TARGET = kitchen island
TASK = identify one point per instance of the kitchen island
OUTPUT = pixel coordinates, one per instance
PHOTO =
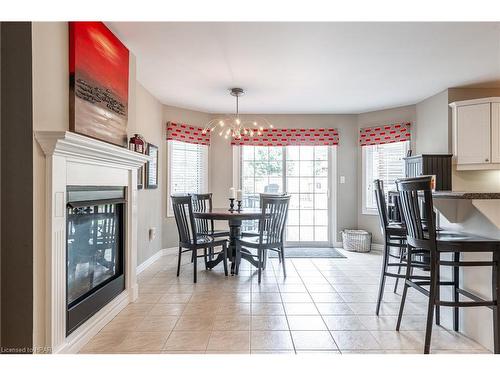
(476, 213)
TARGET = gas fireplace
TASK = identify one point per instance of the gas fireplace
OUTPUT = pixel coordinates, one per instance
(94, 250)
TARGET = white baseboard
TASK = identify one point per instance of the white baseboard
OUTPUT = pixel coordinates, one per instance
(141, 267)
(148, 262)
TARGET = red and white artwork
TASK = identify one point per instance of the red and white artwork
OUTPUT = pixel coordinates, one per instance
(99, 73)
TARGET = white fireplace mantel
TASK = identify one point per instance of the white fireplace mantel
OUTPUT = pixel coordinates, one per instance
(74, 159)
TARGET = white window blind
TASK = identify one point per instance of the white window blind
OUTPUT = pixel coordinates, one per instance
(188, 169)
(384, 162)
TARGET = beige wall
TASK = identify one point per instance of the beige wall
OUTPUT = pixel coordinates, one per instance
(175, 114)
(370, 222)
(432, 134)
(149, 123)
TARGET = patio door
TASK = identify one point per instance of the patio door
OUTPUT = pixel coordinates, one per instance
(304, 172)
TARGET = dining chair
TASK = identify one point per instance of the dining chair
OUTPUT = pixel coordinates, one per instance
(203, 203)
(189, 239)
(422, 237)
(271, 233)
(394, 237)
(256, 233)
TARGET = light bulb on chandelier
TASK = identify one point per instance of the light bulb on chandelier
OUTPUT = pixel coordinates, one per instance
(235, 126)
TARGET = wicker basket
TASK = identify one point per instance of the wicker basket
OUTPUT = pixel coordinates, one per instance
(356, 240)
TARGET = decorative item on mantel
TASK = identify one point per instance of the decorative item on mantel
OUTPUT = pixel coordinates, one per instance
(137, 144)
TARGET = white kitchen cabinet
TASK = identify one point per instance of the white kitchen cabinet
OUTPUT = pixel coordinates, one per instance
(476, 134)
(495, 132)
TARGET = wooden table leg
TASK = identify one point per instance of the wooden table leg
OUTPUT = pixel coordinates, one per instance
(234, 234)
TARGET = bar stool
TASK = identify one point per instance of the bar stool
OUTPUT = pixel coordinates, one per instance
(394, 237)
(425, 238)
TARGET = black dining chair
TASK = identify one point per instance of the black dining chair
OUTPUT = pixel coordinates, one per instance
(422, 237)
(189, 239)
(394, 237)
(271, 233)
(203, 203)
(256, 233)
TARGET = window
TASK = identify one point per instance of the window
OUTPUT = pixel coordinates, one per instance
(188, 169)
(384, 162)
(261, 172)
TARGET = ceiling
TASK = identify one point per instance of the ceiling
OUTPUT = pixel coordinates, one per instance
(309, 67)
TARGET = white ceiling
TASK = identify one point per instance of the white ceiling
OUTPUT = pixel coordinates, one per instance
(309, 67)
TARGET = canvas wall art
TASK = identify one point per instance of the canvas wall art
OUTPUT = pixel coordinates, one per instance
(99, 73)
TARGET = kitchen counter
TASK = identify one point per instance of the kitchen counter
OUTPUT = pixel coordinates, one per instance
(446, 194)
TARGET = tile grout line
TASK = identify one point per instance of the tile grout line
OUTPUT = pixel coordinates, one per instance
(284, 310)
(314, 302)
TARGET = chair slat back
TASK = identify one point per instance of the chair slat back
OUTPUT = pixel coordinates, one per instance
(381, 204)
(203, 203)
(273, 220)
(184, 218)
(269, 195)
(413, 192)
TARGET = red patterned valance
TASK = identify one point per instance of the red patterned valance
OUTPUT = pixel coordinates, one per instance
(378, 135)
(187, 133)
(290, 137)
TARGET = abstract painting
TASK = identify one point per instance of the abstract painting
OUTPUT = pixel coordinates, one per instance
(99, 70)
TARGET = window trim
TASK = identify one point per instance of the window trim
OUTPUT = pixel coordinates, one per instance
(364, 209)
(169, 212)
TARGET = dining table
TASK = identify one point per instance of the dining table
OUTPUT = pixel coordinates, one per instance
(234, 218)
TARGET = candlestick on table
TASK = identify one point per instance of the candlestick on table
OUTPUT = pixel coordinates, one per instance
(231, 204)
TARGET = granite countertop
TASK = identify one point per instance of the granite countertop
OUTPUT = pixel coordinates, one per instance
(446, 194)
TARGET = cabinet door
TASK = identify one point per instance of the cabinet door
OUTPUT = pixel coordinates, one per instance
(495, 132)
(473, 134)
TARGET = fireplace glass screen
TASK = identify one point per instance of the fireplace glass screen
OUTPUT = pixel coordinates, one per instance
(94, 247)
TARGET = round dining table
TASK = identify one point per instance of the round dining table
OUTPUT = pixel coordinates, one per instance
(234, 219)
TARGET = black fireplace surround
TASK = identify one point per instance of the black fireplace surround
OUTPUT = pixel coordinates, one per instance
(95, 240)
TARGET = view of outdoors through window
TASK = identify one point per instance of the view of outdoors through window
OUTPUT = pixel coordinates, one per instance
(302, 172)
(384, 162)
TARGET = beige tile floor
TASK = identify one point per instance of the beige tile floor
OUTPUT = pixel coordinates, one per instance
(323, 306)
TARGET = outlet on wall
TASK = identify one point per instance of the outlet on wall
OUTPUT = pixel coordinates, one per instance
(342, 179)
(152, 233)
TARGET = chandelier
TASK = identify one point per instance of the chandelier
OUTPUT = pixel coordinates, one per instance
(234, 126)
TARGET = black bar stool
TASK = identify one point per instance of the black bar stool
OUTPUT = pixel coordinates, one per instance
(394, 237)
(423, 237)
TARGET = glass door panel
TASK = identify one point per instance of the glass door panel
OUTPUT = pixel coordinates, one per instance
(306, 179)
(302, 172)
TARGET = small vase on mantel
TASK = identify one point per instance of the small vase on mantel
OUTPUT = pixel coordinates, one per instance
(137, 144)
